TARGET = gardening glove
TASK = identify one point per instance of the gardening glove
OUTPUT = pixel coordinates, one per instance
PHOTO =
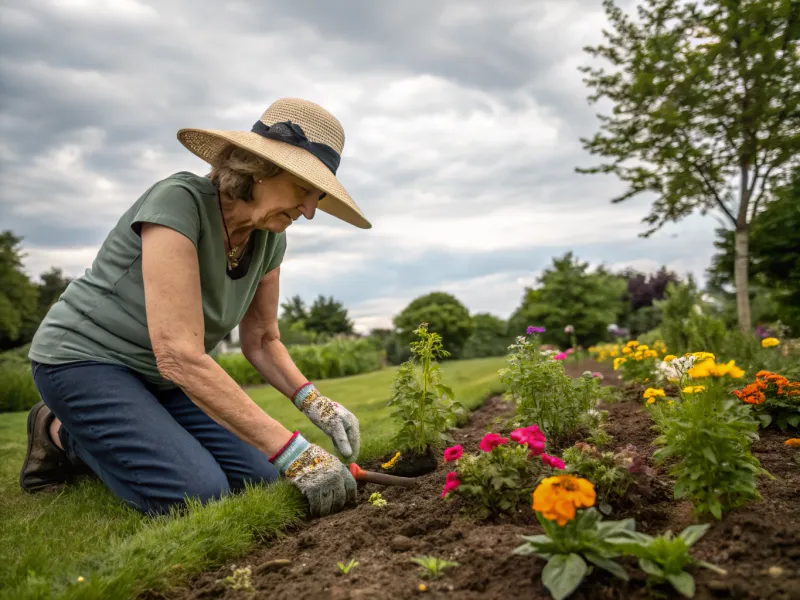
(325, 482)
(335, 420)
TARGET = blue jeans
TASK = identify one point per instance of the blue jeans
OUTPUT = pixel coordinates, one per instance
(153, 448)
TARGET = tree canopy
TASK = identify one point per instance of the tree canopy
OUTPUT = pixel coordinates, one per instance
(444, 314)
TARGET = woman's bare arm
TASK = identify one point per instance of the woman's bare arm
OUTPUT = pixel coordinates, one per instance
(261, 339)
(175, 323)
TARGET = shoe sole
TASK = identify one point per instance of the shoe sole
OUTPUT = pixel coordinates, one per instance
(31, 423)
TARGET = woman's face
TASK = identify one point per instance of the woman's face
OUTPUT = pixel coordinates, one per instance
(279, 201)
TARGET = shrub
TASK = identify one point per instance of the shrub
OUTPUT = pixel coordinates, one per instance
(444, 314)
(637, 363)
(490, 337)
(502, 476)
(544, 394)
(424, 406)
(17, 389)
(708, 435)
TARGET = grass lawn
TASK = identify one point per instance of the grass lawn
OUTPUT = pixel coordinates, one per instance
(48, 541)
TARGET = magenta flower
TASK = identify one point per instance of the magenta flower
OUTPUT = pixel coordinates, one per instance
(598, 375)
(451, 483)
(532, 329)
(552, 461)
(532, 436)
(560, 356)
(491, 441)
(453, 453)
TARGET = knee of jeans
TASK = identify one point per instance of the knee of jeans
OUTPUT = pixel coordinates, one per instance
(210, 486)
(258, 471)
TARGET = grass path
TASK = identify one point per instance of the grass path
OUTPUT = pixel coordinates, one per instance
(47, 541)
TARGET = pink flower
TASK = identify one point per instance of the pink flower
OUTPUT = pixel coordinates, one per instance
(569, 351)
(491, 441)
(453, 453)
(526, 435)
(569, 329)
(552, 461)
(560, 356)
(451, 483)
(597, 375)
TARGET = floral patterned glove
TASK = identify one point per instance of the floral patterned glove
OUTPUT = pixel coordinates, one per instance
(325, 482)
(335, 420)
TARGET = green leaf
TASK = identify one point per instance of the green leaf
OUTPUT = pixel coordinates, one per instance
(563, 574)
(684, 583)
(651, 568)
(691, 534)
(605, 508)
(765, 419)
(709, 454)
(445, 390)
(716, 509)
(607, 564)
(794, 420)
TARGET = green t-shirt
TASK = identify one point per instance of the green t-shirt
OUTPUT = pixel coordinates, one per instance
(101, 315)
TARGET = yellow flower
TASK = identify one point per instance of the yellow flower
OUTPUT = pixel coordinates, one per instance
(670, 401)
(669, 358)
(632, 344)
(626, 350)
(651, 400)
(558, 497)
(642, 347)
(701, 356)
(618, 362)
(81, 579)
(391, 462)
(769, 342)
(693, 389)
(792, 443)
(422, 587)
(652, 393)
(651, 354)
(709, 368)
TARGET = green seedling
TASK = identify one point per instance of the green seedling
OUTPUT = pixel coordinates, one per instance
(377, 500)
(433, 567)
(345, 568)
(241, 579)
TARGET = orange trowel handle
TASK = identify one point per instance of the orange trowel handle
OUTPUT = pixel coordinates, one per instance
(380, 478)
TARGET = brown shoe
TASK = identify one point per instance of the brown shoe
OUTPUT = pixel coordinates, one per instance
(46, 466)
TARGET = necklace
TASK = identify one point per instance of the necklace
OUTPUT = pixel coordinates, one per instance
(233, 262)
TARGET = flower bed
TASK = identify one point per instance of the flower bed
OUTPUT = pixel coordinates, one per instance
(755, 544)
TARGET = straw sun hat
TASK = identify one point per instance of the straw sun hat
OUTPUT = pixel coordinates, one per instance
(298, 136)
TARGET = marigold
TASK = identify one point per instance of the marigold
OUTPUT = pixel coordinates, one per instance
(708, 368)
(632, 344)
(652, 393)
(701, 356)
(770, 342)
(558, 497)
(618, 362)
(651, 354)
(792, 443)
(669, 358)
(626, 350)
(693, 389)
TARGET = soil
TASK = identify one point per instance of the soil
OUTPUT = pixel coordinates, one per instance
(759, 545)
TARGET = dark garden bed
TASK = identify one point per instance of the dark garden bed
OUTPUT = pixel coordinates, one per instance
(759, 545)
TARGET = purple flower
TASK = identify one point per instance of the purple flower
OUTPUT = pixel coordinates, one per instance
(531, 330)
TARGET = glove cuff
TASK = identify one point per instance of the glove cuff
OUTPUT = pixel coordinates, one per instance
(296, 445)
(305, 395)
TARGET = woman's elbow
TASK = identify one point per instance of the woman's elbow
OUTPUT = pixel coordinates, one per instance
(175, 362)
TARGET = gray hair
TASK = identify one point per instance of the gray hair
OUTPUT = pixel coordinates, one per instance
(236, 169)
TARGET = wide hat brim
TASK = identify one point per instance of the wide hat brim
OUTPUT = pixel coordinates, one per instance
(208, 144)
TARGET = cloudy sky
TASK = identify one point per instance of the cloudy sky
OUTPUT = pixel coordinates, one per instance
(462, 119)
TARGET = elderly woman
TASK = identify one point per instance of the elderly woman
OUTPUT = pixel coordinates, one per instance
(121, 360)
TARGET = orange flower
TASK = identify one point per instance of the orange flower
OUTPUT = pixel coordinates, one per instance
(558, 497)
(752, 393)
(792, 443)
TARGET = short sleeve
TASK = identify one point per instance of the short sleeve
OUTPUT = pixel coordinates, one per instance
(277, 253)
(171, 204)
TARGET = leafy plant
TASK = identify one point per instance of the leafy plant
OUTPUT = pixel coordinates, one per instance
(665, 558)
(614, 474)
(432, 566)
(774, 399)
(544, 394)
(345, 568)
(638, 362)
(567, 549)
(377, 500)
(708, 435)
(424, 406)
(240, 579)
(502, 476)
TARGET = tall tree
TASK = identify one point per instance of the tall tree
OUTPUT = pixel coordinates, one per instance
(445, 315)
(19, 297)
(706, 109)
(328, 316)
(294, 311)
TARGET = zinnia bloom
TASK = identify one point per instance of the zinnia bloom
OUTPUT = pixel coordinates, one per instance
(558, 497)
(532, 329)
(560, 356)
(652, 393)
(453, 453)
(553, 461)
(451, 483)
(769, 342)
(491, 441)
(532, 436)
(792, 443)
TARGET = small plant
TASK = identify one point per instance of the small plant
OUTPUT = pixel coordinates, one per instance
(346, 568)
(708, 434)
(774, 399)
(424, 406)
(502, 476)
(665, 558)
(637, 363)
(573, 533)
(377, 500)
(615, 475)
(433, 567)
(241, 579)
(544, 394)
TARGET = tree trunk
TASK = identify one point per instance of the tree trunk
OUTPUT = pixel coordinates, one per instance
(741, 244)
